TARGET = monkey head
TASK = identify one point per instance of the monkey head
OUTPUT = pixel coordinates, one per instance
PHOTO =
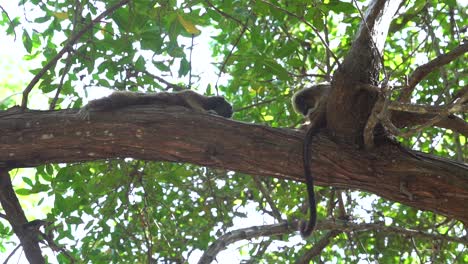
(309, 100)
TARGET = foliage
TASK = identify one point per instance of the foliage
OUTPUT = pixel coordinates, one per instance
(118, 211)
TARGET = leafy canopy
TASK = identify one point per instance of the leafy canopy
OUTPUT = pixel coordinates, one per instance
(261, 52)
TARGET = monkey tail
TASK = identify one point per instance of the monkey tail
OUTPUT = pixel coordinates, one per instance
(306, 228)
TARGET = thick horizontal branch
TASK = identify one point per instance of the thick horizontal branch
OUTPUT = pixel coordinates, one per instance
(176, 134)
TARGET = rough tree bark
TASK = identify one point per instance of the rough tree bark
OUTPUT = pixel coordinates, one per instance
(349, 106)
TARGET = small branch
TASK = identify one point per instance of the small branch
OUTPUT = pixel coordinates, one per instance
(392, 230)
(3, 216)
(224, 14)
(445, 111)
(175, 87)
(423, 70)
(11, 254)
(243, 234)
(318, 247)
(266, 195)
(234, 45)
(190, 63)
(62, 79)
(255, 105)
(441, 116)
(67, 47)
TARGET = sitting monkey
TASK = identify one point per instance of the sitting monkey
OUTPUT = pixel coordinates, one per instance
(186, 98)
(311, 102)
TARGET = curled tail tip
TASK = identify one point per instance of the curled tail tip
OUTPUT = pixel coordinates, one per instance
(306, 228)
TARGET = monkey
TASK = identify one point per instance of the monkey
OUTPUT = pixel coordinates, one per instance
(311, 103)
(186, 98)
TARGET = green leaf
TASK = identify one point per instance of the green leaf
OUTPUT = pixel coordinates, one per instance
(27, 42)
(276, 69)
(184, 67)
(22, 191)
(28, 181)
(340, 7)
(140, 64)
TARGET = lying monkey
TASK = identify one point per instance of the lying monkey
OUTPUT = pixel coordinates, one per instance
(186, 98)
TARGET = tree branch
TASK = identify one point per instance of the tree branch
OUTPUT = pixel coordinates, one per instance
(424, 109)
(68, 46)
(404, 119)
(335, 226)
(318, 247)
(423, 70)
(242, 234)
(176, 134)
(17, 219)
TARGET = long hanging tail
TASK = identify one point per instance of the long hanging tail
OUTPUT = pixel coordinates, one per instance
(306, 228)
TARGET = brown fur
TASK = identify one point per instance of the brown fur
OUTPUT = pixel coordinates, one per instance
(311, 102)
(185, 98)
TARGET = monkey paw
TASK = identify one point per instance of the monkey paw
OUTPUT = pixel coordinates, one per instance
(212, 112)
(84, 114)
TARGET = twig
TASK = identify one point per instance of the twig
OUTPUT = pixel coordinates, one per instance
(318, 247)
(60, 86)
(302, 19)
(410, 55)
(244, 28)
(266, 195)
(224, 14)
(67, 46)
(242, 234)
(255, 105)
(11, 254)
(372, 122)
(175, 87)
(190, 63)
